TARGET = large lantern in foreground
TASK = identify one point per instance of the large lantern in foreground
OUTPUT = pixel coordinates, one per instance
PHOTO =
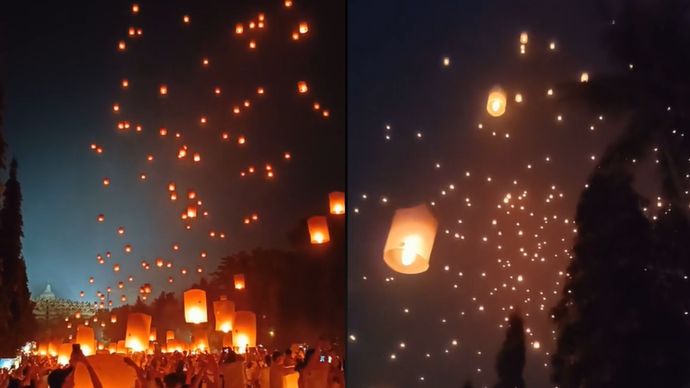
(64, 353)
(410, 240)
(496, 103)
(244, 332)
(86, 340)
(318, 230)
(224, 311)
(195, 306)
(138, 330)
(336, 202)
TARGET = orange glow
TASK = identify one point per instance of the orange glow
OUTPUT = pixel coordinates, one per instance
(121, 45)
(163, 90)
(336, 200)
(318, 230)
(239, 29)
(185, 19)
(125, 83)
(302, 87)
(239, 281)
(303, 28)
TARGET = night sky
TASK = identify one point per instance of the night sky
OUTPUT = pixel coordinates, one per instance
(503, 189)
(62, 76)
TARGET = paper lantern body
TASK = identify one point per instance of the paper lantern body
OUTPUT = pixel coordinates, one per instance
(244, 332)
(85, 339)
(290, 380)
(169, 335)
(336, 201)
(195, 306)
(112, 347)
(111, 370)
(64, 353)
(227, 340)
(138, 330)
(121, 348)
(410, 240)
(153, 335)
(42, 348)
(224, 311)
(239, 281)
(496, 103)
(318, 230)
(200, 340)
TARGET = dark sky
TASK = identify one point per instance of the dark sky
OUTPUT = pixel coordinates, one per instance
(504, 194)
(62, 73)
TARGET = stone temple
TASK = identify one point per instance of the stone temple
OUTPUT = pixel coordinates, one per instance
(48, 307)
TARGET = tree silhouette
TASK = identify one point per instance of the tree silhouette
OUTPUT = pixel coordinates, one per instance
(510, 361)
(20, 319)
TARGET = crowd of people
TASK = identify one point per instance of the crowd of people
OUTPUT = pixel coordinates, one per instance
(318, 367)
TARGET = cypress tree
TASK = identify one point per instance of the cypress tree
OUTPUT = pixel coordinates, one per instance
(510, 361)
(21, 321)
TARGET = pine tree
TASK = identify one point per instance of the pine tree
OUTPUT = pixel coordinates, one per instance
(510, 361)
(21, 321)
(4, 295)
(614, 327)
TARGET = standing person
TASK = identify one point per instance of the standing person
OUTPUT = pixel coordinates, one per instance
(265, 372)
(277, 370)
(64, 378)
(232, 370)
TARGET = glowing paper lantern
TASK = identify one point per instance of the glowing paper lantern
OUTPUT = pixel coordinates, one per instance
(191, 211)
(195, 306)
(121, 348)
(227, 340)
(224, 311)
(290, 380)
(496, 103)
(111, 370)
(239, 281)
(152, 335)
(524, 38)
(138, 329)
(244, 332)
(200, 340)
(584, 77)
(318, 230)
(169, 335)
(85, 338)
(410, 240)
(64, 353)
(336, 200)
(302, 87)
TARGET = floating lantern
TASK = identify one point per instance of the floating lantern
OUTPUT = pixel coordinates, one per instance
(191, 211)
(200, 339)
(138, 330)
(185, 19)
(152, 335)
(518, 98)
(169, 335)
(100, 218)
(85, 338)
(496, 103)
(410, 240)
(244, 332)
(113, 318)
(64, 353)
(239, 281)
(112, 348)
(302, 87)
(227, 340)
(524, 38)
(303, 28)
(239, 29)
(224, 311)
(337, 202)
(584, 77)
(291, 380)
(318, 230)
(195, 306)
(121, 348)
(163, 90)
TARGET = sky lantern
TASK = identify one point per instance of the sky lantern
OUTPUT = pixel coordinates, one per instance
(244, 332)
(336, 200)
(85, 338)
(169, 335)
(121, 45)
(195, 306)
(318, 230)
(191, 211)
(135, 8)
(100, 218)
(153, 335)
(185, 19)
(64, 353)
(496, 103)
(113, 318)
(163, 90)
(410, 240)
(138, 329)
(239, 281)
(200, 339)
(303, 28)
(302, 87)
(239, 29)
(224, 312)
(124, 83)
(524, 38)
(121, 348)
(584, 77)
